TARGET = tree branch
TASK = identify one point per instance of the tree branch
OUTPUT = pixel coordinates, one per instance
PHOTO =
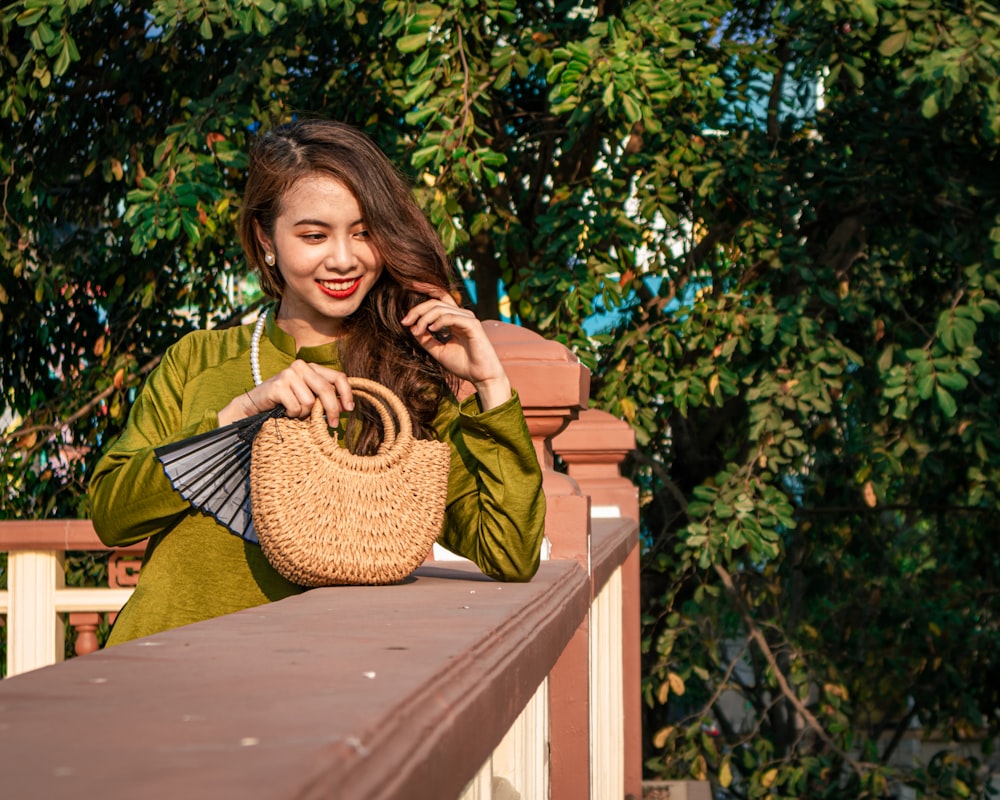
(897, 734)
(758, 637)
(54, 428)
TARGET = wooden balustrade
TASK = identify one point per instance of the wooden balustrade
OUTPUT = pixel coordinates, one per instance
(435, 688)
(560, 703)
(37, 601)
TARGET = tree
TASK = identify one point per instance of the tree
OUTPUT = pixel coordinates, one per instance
(802, 294)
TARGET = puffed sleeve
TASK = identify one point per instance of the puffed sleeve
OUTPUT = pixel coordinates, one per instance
(131, 496)
(496, 509)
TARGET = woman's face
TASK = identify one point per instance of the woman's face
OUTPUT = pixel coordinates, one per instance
(325, 256)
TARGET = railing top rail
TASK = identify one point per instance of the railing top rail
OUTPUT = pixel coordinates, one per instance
(360, 692)
(53, 534)
(611, 541)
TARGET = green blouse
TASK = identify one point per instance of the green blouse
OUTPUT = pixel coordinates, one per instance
(195, 569)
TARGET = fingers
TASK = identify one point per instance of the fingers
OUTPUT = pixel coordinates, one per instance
(435, 318)
(441, 324)
(333, 391)
(299, 386)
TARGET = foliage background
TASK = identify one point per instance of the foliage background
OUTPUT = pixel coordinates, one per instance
(792, 299)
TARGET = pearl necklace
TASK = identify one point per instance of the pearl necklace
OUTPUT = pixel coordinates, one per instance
(255, 348)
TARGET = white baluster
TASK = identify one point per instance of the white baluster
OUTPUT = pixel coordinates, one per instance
(35, 632)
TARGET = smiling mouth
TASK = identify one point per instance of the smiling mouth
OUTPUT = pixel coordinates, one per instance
(340, 289)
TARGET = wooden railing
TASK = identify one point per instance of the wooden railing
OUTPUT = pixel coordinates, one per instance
(448, 685)
(441, 687)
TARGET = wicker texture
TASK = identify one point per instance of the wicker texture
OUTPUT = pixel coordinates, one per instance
(325, 516)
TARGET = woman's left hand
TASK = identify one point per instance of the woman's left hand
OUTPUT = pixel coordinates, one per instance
(456, 338)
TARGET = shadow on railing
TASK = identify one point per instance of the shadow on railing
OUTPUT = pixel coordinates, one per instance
(447, 685)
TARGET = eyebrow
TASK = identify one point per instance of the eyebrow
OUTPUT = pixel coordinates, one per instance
(323, 224)
(318, 222)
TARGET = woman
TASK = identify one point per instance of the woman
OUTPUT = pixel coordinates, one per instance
(363, 288)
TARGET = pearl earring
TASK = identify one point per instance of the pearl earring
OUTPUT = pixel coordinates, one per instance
(269, 259)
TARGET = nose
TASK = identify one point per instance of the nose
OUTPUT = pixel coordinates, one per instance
(340, 256)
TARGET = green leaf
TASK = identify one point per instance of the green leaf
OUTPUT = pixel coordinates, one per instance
(425, 155)
(632, 110)
(419, 91)
(63, 61)
(893, 43)
(420, 115)
(945, 401)
(855, 74)
(411, 43)
(953, 380)
(929, 106)
(869, 12)
(965, 332)
(885, 360)
(926, 385)
(30, 16)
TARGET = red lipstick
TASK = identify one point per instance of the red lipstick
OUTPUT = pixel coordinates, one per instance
(340, 294)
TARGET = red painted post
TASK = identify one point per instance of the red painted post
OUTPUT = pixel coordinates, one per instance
(593, 447)
(554, 386)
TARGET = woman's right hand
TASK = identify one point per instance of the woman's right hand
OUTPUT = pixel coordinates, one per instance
(296, 388)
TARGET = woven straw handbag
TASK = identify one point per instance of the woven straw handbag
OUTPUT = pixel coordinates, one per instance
(325, 516)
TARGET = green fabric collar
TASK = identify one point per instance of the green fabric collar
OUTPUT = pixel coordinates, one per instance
(327, 353)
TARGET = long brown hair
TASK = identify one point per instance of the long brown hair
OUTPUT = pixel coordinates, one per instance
(374, 344)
